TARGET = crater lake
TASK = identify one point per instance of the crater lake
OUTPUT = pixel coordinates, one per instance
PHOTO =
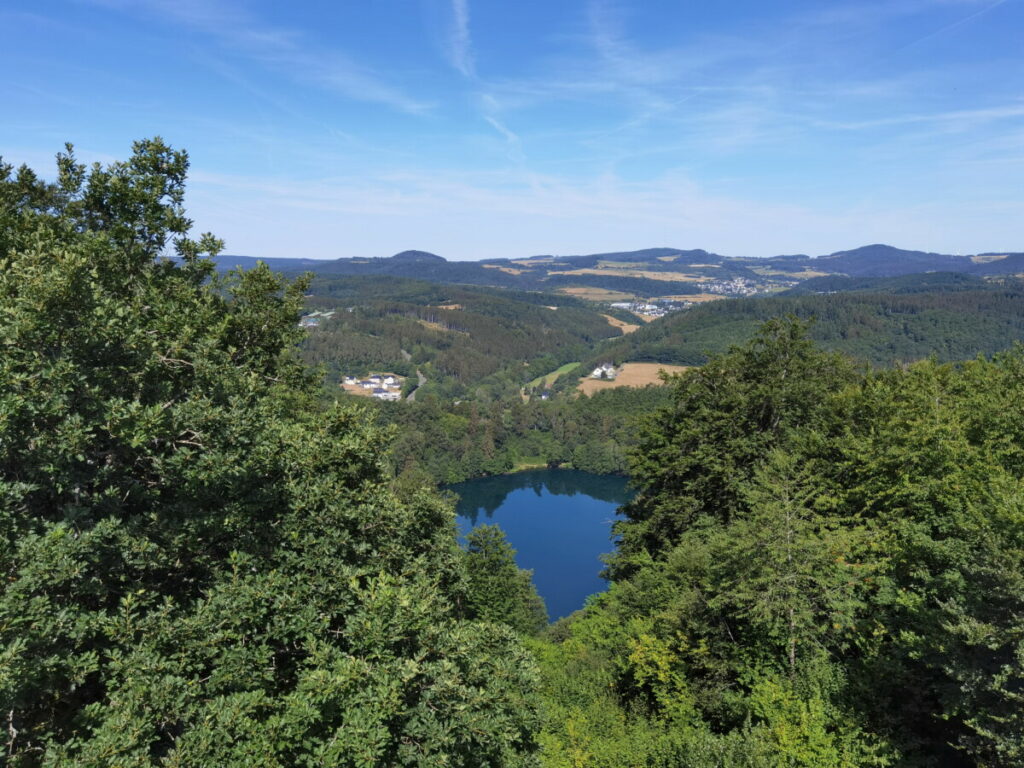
(558, 521)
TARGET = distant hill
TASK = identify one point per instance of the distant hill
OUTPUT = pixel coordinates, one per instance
(227, 262)
(408, 257)
(886, 261)
(653, 272)
(916, 283)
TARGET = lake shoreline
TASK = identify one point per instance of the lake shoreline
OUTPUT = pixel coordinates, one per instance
(520, 469)
(558, 520)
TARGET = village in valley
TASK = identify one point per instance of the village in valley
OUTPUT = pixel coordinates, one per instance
(381, 386)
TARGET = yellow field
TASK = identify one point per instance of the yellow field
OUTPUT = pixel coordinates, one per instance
(449, 306)
(589, 293)
(988, 258)
(631, 375)
(626, 327)
(665, 277)
(355, 389)
(509, 270)
(805, 274)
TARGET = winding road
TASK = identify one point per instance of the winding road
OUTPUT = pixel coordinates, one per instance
(421, 379)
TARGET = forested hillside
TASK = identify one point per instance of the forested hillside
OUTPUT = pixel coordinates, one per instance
(443, 443)
(950, 317)
(821, 568)
(460, 338)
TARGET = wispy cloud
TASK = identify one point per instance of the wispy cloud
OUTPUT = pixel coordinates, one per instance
(960, 120)
(955, 24)
(534, 213)
(281, 49)
(460, 44)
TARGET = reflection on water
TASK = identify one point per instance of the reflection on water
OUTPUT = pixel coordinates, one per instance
(559, 521)
(487, 494)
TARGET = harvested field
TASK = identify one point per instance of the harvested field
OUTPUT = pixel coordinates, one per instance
(625, 327)
(509, 270)
(802, 275)
(665, 277)
(588, 293)
(355, 389)
(631, 375)
(449, 306)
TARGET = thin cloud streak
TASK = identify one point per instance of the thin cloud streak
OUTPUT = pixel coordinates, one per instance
(953, 25)
(460, 43)
(281, 49)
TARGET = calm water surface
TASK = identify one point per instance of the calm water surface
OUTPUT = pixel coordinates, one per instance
(559, 521)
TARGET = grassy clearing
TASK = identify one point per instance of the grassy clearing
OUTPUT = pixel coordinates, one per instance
(549, 378)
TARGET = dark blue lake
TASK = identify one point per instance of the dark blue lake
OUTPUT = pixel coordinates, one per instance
(559, 521)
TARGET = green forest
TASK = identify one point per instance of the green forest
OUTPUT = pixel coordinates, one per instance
(478, 341)
(208, 561)
(881, 321)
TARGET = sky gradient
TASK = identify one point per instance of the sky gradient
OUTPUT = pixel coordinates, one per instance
(479, 129)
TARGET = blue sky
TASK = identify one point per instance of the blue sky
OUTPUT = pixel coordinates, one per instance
(484, 129)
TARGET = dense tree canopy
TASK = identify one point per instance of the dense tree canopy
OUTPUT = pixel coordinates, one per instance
(199, 566)
(821, 568)
(881, 321)
(499, 591)
(203, 565)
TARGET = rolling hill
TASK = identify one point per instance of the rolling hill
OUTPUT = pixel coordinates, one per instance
(881, 320)
(651, 272)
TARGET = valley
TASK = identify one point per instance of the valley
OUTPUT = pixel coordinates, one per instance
(827, 489)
